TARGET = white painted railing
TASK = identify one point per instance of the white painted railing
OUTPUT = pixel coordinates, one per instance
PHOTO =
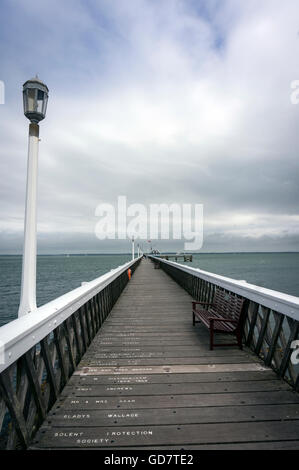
(40, 351)
(278, 301)
(270, 318)
(19, 335)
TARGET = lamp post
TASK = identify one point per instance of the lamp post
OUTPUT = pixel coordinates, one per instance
(35, 98)
(133, 248)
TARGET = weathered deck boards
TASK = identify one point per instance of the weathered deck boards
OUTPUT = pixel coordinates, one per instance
(149, 381)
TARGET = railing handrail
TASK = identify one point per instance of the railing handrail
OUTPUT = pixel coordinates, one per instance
(275, 300)
(18, 336)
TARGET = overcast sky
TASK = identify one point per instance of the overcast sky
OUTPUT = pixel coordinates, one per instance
(163, 101)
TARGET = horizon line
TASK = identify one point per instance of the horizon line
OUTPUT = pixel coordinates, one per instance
(145, 253)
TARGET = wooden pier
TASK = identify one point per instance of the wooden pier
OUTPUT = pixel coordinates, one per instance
(149, 381)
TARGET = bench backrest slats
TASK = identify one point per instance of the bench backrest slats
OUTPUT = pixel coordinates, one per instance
(227, 305)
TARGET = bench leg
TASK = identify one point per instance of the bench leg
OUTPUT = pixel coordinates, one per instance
(211, 339)
(193, 319)
(239, 339)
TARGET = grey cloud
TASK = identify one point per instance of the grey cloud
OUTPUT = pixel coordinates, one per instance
(180, 102)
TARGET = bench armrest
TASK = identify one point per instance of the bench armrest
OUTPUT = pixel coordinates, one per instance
(200, 303)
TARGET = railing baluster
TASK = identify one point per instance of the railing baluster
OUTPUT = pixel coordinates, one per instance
(275, 335)
(77, 336)
(58, 339)
(98, 310)
(266, 314)
(13, 405)
(91, 315)
(22, 385)
(95, 313)
(83, 329)
(50, 370)
(68, 338)
(34, 385)
(87, 323)
(2, 411)
(252, 315)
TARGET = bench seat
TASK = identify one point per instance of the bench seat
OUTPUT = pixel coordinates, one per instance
(224, 315)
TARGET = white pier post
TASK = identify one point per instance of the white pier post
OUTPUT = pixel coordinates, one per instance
(28, 287)
(35, 97)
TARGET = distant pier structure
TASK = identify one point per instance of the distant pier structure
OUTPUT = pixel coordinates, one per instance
(177, 257)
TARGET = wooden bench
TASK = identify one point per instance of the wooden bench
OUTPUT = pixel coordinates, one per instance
(224, 316)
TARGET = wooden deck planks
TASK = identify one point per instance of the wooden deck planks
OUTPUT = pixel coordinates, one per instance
(149, 381)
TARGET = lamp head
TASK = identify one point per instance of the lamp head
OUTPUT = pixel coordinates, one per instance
(35, 98)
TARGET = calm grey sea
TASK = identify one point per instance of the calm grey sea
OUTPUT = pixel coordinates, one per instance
(57, 275)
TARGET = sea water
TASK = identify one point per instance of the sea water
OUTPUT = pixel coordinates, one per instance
(57, 275)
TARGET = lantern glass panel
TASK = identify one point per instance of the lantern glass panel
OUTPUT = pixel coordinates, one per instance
(25, 100)
(45, 103)
(40, 101)
(31, 100)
